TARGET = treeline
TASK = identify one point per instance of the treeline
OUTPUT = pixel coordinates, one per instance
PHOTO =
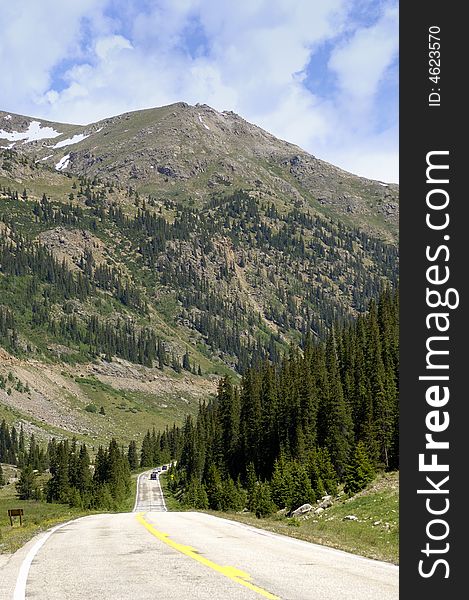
(72, 481)
(20, 256)
(48, 281)
(157, 448)
(305, 272)
(76, 478)
(292, 431)
(63, 214)
(303, 256)
(122, 338)
(8, 329)
(16, 450)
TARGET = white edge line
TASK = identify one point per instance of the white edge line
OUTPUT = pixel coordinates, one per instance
(161, 492)
(138, 485)
(136, 494)
(20, 587)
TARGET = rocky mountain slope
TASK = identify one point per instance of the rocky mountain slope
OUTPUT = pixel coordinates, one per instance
(180, 149)
(144, 255)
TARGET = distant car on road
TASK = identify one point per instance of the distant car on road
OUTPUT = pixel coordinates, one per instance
(154, 475)
(164, 467)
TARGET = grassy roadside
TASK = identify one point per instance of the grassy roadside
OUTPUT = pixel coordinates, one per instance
(40, 516)
(171, 503)
(375, 533)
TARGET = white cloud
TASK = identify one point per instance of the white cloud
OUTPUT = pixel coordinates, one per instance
(107, 46)
(251, 58)
(34, 37)
(372, 156)
(361, 62)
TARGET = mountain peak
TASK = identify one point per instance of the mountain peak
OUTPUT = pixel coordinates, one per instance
(185, 150)
(182, 240)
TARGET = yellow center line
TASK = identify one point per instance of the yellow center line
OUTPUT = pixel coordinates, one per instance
(231, 572)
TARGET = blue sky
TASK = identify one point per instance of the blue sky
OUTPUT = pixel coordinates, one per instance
(320, 73)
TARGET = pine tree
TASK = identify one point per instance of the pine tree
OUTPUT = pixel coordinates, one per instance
(21, 441)
(251, 482)
(359, 471)
(281, 483)
(327, 471)
(195, 495)
(301, 491)
(381, 387)
(146, 455)
(339, 428)
(186, 363)
(132, 455)
(270, 431)
(83, 474)
(251, 420)
(58, 487)
(100, 467)
(26, 483)
(262, 501)
(118, 473)
(231, 498)
(229, 416)
(213, 487)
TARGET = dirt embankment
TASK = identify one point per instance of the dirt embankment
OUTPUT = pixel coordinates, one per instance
(46, 395)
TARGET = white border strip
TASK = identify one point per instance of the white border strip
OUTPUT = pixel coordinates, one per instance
(20, 588)
(136, 494)
(161, 492)
(135, 508)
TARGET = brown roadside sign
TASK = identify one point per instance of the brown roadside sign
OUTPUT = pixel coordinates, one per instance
(15, 512)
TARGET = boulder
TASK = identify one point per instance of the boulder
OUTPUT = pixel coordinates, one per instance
(302, 510)
(168, 171)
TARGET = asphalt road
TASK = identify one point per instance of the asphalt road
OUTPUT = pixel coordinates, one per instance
(149, 494)
(186, 556)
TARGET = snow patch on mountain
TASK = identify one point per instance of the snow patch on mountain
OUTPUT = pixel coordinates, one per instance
(204, 124)
(79, 137)
(63, 163)
(45, 158)
(34, 132)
